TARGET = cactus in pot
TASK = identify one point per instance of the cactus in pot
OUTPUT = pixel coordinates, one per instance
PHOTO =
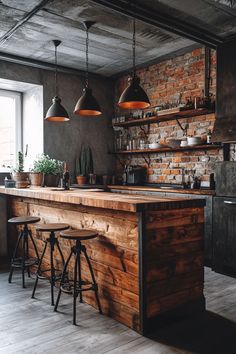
(84, 165)
(18, 173)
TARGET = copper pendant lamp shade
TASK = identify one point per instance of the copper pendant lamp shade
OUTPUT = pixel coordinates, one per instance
(56, 112)
(87, 104)
(134, 96)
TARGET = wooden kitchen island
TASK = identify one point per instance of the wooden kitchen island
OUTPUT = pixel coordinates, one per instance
(148, 258)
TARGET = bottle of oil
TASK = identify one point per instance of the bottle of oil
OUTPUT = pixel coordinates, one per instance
(66, 177)
(209, 134)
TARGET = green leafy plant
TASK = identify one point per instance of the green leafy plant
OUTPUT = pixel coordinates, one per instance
(44, 164)
(20, 163)
(84, 164)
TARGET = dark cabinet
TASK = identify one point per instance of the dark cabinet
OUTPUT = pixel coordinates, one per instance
(224, 235)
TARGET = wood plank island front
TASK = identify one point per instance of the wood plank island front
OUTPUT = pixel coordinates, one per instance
(148, 258)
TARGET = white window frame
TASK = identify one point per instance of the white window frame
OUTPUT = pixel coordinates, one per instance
(18, 119)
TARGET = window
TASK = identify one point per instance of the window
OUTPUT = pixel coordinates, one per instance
(10, 129)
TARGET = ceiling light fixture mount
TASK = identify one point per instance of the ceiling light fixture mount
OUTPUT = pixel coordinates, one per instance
(56, 112)
(87, 104)
(134, 97)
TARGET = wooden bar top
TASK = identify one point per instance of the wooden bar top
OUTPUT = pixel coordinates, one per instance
(163, 190)
(100, 199)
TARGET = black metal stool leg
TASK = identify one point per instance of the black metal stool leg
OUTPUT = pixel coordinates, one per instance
(52, 270)
(75, 293)
(93, 278)
(23, 259)
(14, 256)
(80, 277)
(63, 279)
(27, 253)
(39, 269)
(34, 245)
(60, 251)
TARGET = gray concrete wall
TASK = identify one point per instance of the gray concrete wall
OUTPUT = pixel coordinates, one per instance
(63, 140)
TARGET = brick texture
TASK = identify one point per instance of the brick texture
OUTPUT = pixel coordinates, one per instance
(163, 83)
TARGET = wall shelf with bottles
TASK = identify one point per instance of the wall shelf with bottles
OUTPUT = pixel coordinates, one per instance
(168, 149)
(190, 113)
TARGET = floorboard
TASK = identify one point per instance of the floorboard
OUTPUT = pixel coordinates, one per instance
(29, 326)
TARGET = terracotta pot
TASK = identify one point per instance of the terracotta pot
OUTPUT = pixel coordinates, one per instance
(51, 180)
(36, 178)
(81, 179)
(22, 184)
(20, 176)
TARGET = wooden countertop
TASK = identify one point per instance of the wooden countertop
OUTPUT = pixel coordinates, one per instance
(163, 190)
(115, 201)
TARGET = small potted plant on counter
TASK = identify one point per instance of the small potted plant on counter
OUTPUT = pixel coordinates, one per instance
(36, 172)
(46, 171)
(18, 174)
(84, 165)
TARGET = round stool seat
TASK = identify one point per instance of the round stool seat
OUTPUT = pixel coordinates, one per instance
(79, 234)
(24, 220)
(52, 227)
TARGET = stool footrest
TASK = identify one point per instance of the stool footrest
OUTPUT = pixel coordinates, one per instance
(68, 287)
(17, 262)
(57, 274)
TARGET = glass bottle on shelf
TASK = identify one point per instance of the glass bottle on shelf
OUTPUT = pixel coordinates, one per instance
(134, 143)
(141, 138)
(141, 144)
(128, 142)
(118, 141)
(209, 134)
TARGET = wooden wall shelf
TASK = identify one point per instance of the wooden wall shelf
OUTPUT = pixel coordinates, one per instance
(167, 117)
(168, 149)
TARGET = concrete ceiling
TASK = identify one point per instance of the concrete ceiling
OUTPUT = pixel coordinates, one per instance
(110, 38)
(216, 16)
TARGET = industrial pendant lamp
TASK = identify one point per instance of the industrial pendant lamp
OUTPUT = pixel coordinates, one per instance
(87, 104)
(56, 112)
(134, 97)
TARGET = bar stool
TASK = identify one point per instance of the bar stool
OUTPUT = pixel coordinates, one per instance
(52, 241)
(24, 262)
(77, 285)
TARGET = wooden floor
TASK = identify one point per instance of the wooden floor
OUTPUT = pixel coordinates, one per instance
(29, 326)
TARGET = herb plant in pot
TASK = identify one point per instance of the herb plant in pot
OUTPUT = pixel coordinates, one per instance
(48, 171)
(84, 165)
(18, 174)
(36, 173)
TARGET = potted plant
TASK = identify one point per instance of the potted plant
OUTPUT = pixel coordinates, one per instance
(47, 171)
(84, 165)
(18, 173)
(36, 172)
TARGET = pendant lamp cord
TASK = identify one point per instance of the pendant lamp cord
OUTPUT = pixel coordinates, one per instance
(56, 70)
(87, 64)
(134, 47)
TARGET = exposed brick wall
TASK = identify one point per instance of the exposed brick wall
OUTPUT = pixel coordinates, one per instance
(163, 82)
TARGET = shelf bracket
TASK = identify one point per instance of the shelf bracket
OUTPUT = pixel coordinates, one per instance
(145, 131)
(147, 159)
(123, 162)
(184, 129)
